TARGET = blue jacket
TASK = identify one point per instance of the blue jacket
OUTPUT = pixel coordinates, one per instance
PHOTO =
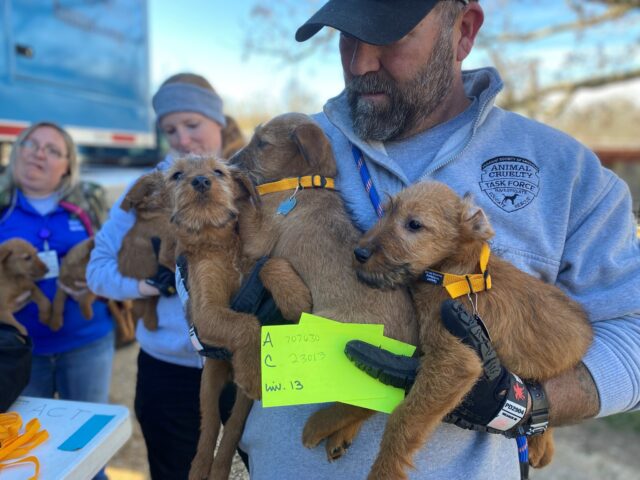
(66, 231)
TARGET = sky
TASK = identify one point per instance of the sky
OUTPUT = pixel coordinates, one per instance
(207, 37)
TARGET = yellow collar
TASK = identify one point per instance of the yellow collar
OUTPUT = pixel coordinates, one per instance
(316, 181)
(458, 285)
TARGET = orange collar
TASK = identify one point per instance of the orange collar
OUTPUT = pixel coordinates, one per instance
(458, 285)
(309, 181)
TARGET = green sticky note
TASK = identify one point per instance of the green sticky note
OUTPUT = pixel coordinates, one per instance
(305, 363)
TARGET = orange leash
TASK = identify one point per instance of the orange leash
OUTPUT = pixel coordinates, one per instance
(15, 445)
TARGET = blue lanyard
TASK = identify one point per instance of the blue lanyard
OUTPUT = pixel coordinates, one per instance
(367, 181)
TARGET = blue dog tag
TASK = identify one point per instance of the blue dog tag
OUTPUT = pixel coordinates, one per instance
(285, 207)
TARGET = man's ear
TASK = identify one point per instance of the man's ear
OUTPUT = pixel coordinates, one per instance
(474, 221)
(467, 28)
(315, 148)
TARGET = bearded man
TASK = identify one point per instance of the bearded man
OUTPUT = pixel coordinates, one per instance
(410, 113)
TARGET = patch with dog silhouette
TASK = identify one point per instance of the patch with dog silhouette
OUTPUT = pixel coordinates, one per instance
(511, 183)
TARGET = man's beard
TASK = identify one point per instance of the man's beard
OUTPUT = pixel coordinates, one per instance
(408, 104)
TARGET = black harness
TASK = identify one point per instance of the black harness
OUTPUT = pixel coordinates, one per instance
(252, 298)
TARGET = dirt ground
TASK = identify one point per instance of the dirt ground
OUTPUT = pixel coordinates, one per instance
(591, 451)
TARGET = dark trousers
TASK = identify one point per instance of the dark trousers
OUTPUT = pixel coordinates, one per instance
(167, 406)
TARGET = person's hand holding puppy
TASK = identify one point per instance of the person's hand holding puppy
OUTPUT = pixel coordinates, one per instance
(21, 301)
(80, 289)
(485, 404)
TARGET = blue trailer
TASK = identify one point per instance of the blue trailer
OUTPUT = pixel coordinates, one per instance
(81, 63)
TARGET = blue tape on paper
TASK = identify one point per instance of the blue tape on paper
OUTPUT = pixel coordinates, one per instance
(85, 433)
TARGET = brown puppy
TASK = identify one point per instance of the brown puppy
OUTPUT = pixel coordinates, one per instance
(20, 266)
(137, 258)
(536, 329)
(203, 196)
(73, 268)
(317, 238)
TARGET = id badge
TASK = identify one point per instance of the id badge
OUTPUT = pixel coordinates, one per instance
(50, 259)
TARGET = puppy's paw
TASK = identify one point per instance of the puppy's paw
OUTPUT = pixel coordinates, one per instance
(316, 430)
(54, 323)
(200, 467)
(541, 450)
(339, 442)
(47, 318)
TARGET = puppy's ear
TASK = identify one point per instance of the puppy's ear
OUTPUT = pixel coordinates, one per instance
(142, 188)
(474, 220)
(5, 253)
(244, 187)
(315, 148)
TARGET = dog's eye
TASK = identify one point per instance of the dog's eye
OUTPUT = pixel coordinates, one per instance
(262, 143)
(414, 225)
(27, 257)
(177, 176)
(218, 173)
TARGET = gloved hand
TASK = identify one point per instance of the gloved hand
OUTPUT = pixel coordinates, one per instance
(498, 402)
(164, 279)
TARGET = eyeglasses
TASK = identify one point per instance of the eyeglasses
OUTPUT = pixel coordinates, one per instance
(31, 147)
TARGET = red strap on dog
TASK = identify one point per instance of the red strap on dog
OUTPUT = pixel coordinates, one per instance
(80, 213)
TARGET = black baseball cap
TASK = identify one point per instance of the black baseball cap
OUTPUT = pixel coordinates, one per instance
(378, 22)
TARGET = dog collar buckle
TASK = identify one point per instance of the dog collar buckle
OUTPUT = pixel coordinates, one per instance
(318, 181)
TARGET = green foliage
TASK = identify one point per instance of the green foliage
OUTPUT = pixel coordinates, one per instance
(624, 421)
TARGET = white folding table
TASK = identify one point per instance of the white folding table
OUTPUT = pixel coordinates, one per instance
(82, 437)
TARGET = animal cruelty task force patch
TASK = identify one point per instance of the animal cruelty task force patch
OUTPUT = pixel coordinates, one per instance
(511, 183)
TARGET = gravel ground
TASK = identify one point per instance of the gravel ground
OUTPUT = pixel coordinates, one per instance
(590, 451)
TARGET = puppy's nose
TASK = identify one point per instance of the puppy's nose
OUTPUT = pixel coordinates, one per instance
(362, 254)
(201, 183)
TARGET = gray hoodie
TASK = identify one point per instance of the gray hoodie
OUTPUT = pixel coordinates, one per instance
(558, 215)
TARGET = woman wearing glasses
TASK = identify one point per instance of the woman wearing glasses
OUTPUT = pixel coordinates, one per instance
(42, 201)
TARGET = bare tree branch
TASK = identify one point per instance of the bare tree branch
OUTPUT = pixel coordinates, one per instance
(614, 13)
(568, 88)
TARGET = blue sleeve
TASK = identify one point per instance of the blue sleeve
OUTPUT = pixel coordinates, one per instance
(614, 363)
(601, 270)
(103, 276)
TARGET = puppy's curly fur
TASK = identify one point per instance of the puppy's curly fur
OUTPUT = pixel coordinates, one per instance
(204, 191)
(538, 332)
(317, 237)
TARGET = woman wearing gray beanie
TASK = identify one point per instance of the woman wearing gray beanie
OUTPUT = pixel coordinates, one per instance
(190, 115)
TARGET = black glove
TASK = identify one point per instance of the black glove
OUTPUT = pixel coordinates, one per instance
(498, 401)
(164, 279)
(252, 298)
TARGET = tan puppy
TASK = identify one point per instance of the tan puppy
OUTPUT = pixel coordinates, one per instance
(20, 267)
(538, 332)
(73, 268)
(203, 195)
(317, 238)
(137, 258)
